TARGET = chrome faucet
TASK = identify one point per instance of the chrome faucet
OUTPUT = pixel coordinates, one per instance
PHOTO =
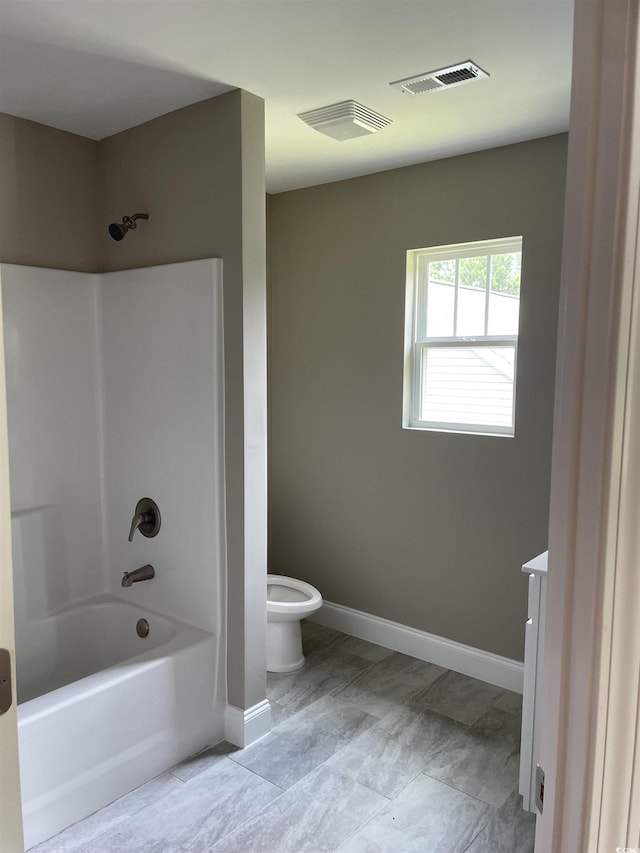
(143, 574)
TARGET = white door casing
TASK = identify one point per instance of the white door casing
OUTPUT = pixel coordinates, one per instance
(589, 745)
(10, 802)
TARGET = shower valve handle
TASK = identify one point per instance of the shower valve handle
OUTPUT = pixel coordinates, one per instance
(139, 519)
(146, 518)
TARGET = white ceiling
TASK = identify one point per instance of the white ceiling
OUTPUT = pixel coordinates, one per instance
(96, 67)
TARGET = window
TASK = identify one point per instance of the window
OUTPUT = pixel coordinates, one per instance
(461, 337)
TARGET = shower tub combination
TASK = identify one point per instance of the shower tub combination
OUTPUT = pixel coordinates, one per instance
(103, 710)
(136, 357)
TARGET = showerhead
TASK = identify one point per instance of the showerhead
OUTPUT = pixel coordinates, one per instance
(118, 230)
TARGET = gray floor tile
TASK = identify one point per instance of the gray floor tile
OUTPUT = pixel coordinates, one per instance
(484, 760)
(195, 818)
(394, 751)
(427, 817)
(279, 713)
(336, 655)
(365, 649)
(318, 814)
(511, 702)
(458, 696)
(202, 761)
(290, 752)
(77, 835)
(335, 717)
(154, 847)
(66, 849)
(511, 830)
(294, 690)
(389, 684)
(315, 637)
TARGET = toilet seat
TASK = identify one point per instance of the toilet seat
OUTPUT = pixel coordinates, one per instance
(304, 597)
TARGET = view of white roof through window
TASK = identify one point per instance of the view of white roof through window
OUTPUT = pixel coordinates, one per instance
(463, 306)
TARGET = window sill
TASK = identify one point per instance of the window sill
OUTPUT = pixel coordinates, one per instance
(460, 431)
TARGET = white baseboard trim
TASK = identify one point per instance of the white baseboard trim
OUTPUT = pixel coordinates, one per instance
(242, 728)
(501, 671)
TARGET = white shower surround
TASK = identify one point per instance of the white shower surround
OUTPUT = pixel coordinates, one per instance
(115, 392)
(162, 369)
(55, 435)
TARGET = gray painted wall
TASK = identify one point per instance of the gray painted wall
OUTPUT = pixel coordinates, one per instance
(48, 196)
(184, 169)
(427, 529)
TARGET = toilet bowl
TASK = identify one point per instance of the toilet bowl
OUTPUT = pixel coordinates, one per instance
(288, 601)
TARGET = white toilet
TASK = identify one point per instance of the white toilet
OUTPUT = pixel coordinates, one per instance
(288, 601)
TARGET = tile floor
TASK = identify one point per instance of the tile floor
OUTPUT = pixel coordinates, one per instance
(371, 752)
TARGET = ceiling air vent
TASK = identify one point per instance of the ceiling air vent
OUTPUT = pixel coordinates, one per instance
(443, 78)
(345, 120)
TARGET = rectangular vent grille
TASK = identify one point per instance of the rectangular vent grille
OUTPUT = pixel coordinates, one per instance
(442, 78)
(345, 120)
(458, 76)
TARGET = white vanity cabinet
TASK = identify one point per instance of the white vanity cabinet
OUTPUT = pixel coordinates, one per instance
(532, 692)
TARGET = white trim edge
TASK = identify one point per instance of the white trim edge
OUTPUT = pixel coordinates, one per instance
(495, 669)
(242, 728)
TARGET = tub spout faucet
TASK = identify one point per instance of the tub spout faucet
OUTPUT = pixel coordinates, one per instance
(143, 574)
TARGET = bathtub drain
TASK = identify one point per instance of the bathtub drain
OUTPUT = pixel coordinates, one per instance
(142, 627)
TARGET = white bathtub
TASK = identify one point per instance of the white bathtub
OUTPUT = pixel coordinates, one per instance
(102, 711)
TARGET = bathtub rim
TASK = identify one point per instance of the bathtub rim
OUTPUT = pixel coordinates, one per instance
(185, 635)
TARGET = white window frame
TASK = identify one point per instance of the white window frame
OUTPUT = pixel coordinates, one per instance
(417, 340)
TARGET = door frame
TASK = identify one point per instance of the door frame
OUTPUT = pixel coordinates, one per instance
(11, 838)
(590, 749)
